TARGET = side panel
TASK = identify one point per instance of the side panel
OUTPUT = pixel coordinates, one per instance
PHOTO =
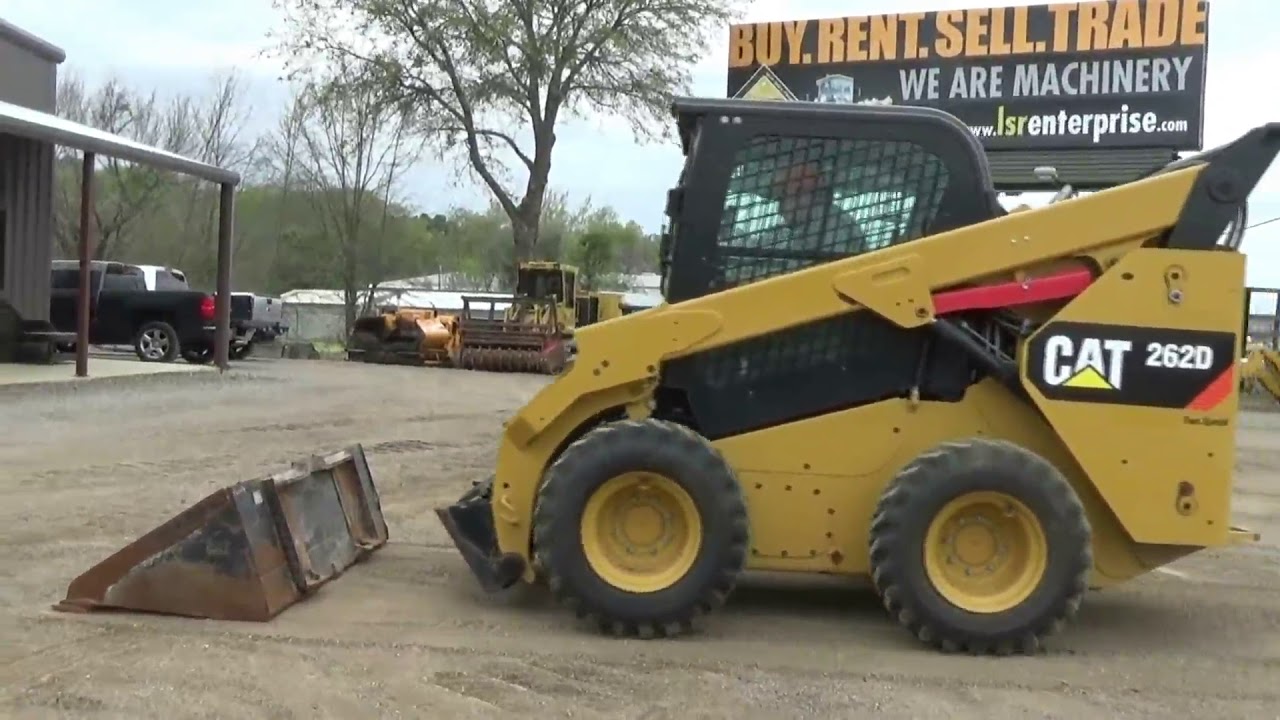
(811, 485)
(26, 196)
(28, 80)
(114, 320)
(1137, 375)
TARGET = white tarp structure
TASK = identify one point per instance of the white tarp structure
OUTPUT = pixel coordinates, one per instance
(318, 315)
(402, 297)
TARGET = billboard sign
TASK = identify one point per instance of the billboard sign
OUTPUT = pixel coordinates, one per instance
(1117, 73)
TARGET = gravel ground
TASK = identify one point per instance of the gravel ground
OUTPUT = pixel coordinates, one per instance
(408, 633)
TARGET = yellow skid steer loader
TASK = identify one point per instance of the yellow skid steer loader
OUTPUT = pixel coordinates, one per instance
(866, 367)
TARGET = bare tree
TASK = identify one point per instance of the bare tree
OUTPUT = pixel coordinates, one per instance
(128, 191)
(495, 77)
(377, 260)
(281, 149)
(220, 140)
(352, 152)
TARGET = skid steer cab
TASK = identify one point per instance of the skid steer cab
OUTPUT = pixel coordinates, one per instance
(866, 367)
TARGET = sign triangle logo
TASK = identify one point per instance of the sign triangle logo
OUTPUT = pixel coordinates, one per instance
(765, 85)
(1088, 379)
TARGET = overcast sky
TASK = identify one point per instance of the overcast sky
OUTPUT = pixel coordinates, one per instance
(177, 46)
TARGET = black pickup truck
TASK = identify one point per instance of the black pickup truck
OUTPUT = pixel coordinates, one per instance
(254, 318)
(157, 323)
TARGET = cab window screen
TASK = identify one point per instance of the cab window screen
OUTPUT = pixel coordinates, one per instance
(794, 202)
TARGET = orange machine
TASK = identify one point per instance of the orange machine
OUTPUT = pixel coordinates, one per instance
(408, 336)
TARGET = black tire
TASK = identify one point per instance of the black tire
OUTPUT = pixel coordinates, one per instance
(678, 454)
(242, 352)
(147, 337)
(198, 355)
(910, 503)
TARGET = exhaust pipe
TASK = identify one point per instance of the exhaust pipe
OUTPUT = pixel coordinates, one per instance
(248, 551)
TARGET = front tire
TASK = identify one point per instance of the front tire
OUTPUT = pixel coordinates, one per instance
(156, 341)
(641, 527)
(981, 546)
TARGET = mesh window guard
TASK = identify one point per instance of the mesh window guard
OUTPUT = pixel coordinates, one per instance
(794, 202)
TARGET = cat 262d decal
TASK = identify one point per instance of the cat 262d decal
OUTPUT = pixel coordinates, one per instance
(1155, 367)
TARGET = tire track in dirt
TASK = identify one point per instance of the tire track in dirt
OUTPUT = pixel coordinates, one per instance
(441, 583)
(447, 553)
(1236, 677)
(1250, 492)
(288, 427)
(409, 632)
(92, 474)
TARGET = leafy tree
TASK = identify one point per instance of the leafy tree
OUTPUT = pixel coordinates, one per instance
(476, 70)
(594, 256)
(353, 148)
(321, 205)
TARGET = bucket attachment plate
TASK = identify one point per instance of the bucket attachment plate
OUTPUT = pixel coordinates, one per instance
(248, 551)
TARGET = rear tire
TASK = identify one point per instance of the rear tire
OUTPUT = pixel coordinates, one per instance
(242, 352)
(627, 579)
(1009, 569)
(156, 341)
(198, 355)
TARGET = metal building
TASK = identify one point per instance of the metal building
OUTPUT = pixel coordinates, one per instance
(28, 78)
(29, 130)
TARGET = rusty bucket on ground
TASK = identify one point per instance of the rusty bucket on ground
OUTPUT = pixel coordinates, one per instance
(248, 551)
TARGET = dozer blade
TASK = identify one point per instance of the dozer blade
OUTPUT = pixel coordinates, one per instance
(548, 362)
(500, 346)
(247, 551)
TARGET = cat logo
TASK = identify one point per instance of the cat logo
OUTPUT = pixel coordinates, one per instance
(1096, 364)
(765, 85)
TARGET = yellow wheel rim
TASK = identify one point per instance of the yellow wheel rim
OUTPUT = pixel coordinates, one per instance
(641, 532)
(985, 552)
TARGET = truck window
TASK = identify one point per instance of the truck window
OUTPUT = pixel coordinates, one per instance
(66, 276)
(170, 280)
(124, 278)
(64, 279)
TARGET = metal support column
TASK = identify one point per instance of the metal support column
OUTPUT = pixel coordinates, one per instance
(83, 305)
(222, 302)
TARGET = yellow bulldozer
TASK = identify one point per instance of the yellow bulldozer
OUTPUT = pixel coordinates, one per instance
(531, 333)
(866, 367)
(597, 306)
(405, 336)
(1260, 371)
(1260, 366)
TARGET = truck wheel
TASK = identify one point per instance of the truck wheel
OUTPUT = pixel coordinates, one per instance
(641, 527)
(156, 341)
(981, 546)
(242, 352)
